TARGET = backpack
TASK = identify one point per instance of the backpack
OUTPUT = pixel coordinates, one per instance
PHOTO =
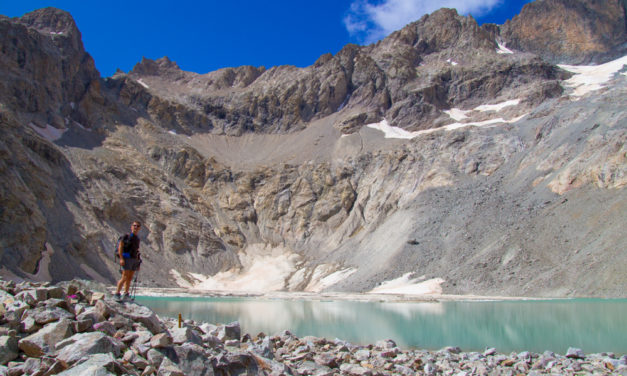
(125, 248)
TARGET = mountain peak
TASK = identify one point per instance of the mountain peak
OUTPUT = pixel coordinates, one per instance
(154, 67)
(50, 20)
(569, 31)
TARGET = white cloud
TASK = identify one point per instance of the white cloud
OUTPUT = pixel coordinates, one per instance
(371, 22)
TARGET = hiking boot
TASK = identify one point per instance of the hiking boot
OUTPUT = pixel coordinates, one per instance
(117, 296)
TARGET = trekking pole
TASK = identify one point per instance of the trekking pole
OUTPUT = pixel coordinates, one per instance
(134, 289)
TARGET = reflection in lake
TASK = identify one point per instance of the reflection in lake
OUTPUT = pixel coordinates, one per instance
(593, 325)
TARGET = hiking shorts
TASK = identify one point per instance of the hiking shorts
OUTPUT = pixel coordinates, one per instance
(131, 264)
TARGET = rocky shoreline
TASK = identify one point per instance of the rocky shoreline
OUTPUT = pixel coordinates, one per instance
(77, 328)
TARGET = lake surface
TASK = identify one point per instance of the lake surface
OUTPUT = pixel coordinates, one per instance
(594, 325)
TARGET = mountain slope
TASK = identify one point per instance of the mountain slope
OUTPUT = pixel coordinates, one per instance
(447, 153)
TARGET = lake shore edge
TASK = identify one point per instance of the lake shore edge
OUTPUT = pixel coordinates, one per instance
(79, 327)
(349, 296)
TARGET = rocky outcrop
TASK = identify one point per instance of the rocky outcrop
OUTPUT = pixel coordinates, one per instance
(192, 348)
(572, 32)
(46, 74)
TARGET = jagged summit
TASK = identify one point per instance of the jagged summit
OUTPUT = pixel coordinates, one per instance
(570, 32)
(453, 157)
(154, 67)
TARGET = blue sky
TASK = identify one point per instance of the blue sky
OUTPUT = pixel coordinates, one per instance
(202, 36)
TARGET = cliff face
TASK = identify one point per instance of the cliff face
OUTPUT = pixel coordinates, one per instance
(562, 31)
(499, 173)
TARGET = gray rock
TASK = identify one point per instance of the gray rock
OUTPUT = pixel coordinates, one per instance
(85, 344)
(44, 315)
(403, 370)
(263, 348)
(29, 325)
(183, 335)
(91, 315)
(230, 331)
(326, 359)
(14, 311)
(8, 349)
(32, 296)
(56, 292)
(575, 353)
(155, 357)
(45, 340)
(150, 370)
(362, 355)
(209, 329)
(193, 360)
(81, 326)
(168, 368)
(489, 352)
(354, 369)
(161, 340)
(96, 364)
(236, 362)
(311, 368)
(142, 336)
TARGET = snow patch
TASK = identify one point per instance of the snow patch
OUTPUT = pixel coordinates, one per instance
(264, 268)
(142, 83)
(498, 106)
(392, 132)
(457, 114)
(409, 286)
(451, 62)
(589, 78)
(319, 283)
(395, 132)
(50, 133)
(503, 50)
(172, 131)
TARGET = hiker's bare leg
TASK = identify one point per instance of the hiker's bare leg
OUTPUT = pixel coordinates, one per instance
(121, 282)
(129, 279)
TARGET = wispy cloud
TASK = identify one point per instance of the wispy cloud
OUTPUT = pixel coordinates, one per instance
(369, 22)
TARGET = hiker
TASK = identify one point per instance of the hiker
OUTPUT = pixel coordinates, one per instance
(128, 250)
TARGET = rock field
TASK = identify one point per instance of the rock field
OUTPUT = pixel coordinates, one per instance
(77, 328)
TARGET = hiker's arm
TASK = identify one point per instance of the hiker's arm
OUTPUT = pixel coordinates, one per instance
(120, 251)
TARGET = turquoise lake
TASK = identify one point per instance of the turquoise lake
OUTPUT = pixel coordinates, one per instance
(594, 325)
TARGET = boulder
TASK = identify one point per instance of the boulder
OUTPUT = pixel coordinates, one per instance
(575, 353)
(97, 364)
(236, 362)
(134, 312)
(230, 331)
(185, 335)
(29, 325)
(61, 303)
(161, 340)
(45, 340)
(168, 368)
(32, 296)
(90, 314)
(14, 311)
(45, 315)
(56, 292)
(105, 327)
(8, 349)
(354, 369)
(85, 344)
(81, 326)
(193, 360)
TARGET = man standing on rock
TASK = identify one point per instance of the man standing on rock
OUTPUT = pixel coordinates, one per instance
(128, 250)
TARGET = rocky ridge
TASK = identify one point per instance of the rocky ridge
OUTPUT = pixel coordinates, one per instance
(74, 329)
(506, 180)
